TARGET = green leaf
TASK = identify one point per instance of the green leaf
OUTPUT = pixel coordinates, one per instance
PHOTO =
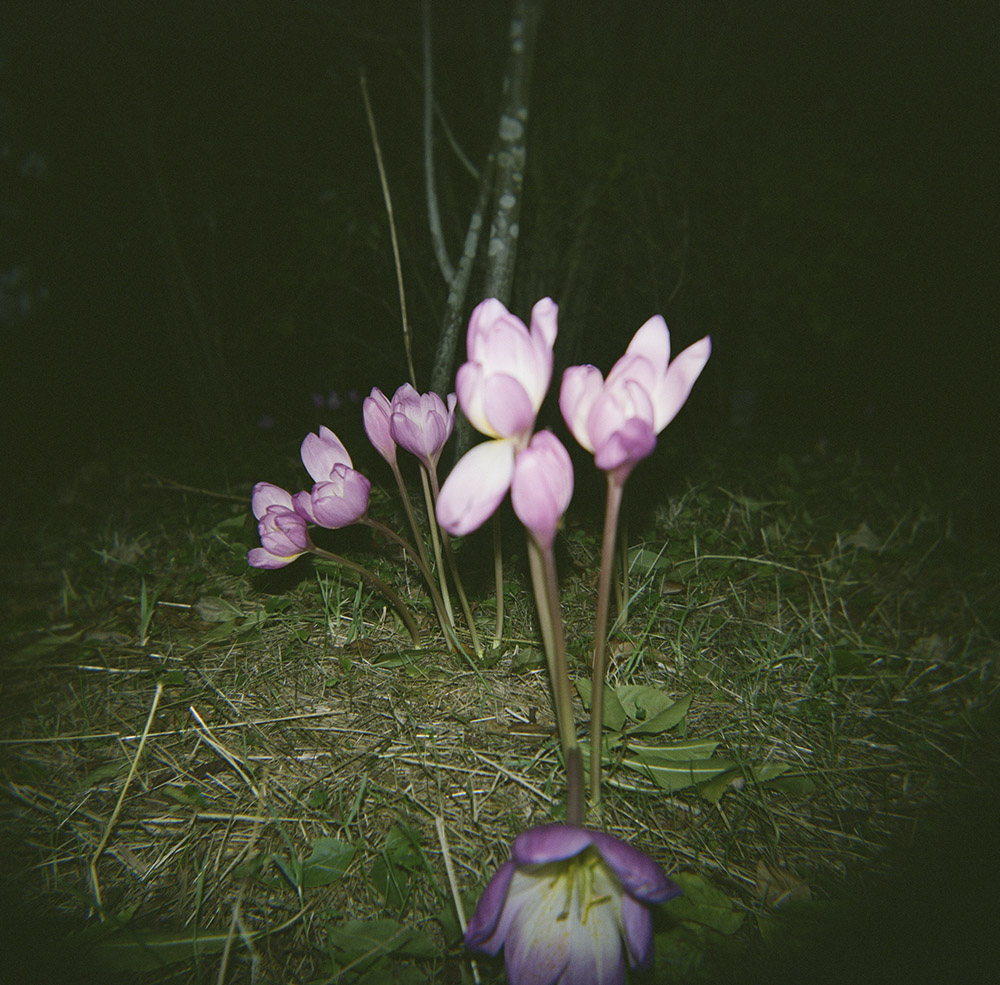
(213, 608)
(703, 903)
(612, 713)
(328, 862)
(134, 950)
(392, 881)
(650, 708)
(669, 774)
(666, 719)
(372, 939)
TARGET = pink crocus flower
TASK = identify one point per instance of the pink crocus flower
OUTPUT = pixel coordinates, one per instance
(283, 533)
(618, 419)
(570, 906)
(421, 423)
(340, 494)
(542, 486)
(338, 502)
(377, 413)
(500, 389)
(322, 453)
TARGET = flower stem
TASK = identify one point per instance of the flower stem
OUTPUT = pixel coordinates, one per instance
(436, 540)
(420, 563)
(453, 567)
(611, 511)
(498, 577)
(373, 579)
(543, 574)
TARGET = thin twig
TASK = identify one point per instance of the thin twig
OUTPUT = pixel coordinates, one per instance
(392, 229)
(99, 851)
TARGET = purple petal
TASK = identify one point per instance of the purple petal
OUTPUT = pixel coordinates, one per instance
(257, 557)
(475, 487)
(265, 495)
(637, 927)
(639, 875)
(488, 911)
(341, 501)
(376, 411)
(549, 843)
(322, 453)
(634, 441)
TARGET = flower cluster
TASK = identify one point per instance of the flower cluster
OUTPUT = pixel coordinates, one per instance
(571, 905)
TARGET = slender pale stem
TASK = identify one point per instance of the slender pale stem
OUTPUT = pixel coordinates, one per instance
(373, 579)
(453, 567)
(429, 500)
(611, 511)
(543, 574)
(498, 577)
(621, 585)
(418, 561)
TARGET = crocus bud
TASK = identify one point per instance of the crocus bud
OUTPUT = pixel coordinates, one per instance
(421, 423)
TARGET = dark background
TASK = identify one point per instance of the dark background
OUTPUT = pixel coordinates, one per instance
(198, 242)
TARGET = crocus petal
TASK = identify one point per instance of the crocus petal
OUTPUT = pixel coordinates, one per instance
(549, 843)
(257, 557)
(480, 932)
(342, 500)
(652, 343)
(266, 494)
(679, 380)
(637, 930)
(421, 423)
(283, 532)
(581, 386)
(542, 486)
(376, 412)
(639, 875)
(322, 453)
(630, 444)
(475, 487)
(499, 345)
(507, 406)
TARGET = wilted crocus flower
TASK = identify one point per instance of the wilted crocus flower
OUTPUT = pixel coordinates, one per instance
(377, 412)
(283, 534)
(500, 389)
(542, 486)
(619, 418)
(569, 907)
(421, 423)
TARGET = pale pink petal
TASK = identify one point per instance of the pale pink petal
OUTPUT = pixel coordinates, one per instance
(652, 342)
(266, 494)
(507, 406)
(257, 557)
(581, 386)
(376, 412)
(542, 486)
(679, 380)
(544, 321)
(475, 487)
(322, 453)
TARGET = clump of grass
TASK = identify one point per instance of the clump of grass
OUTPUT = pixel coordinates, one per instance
(824, 643)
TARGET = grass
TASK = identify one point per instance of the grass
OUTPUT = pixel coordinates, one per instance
(257, 767)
